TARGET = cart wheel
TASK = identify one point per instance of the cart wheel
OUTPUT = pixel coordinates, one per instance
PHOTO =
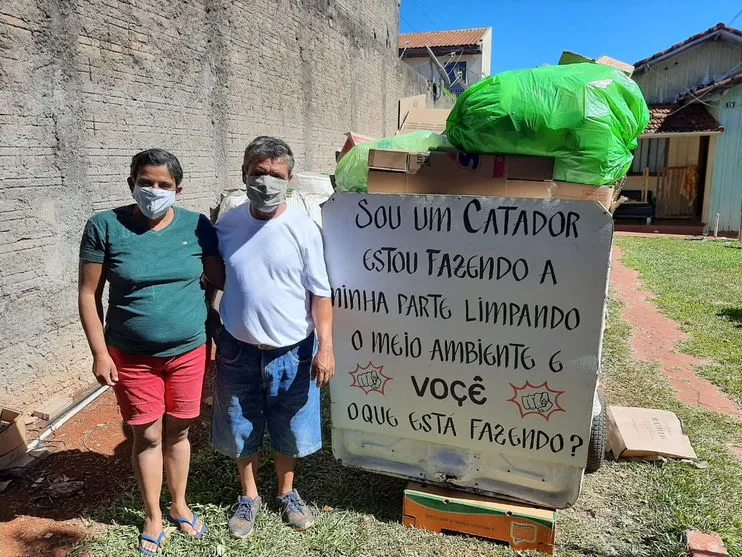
(596, 449)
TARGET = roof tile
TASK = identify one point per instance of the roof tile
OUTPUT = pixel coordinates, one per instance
(707, 34)
(676, 118)
(462, 37)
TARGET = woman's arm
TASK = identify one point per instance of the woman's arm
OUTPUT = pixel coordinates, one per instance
(214, 271)
(91, 280)
(214, 284)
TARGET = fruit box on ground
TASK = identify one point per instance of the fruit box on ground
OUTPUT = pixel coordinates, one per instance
(446, 510)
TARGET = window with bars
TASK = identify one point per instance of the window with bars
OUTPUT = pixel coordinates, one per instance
(457, 74)
(651, 154)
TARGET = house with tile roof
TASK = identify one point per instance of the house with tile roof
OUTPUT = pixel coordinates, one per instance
(459, 57)
(690, 156)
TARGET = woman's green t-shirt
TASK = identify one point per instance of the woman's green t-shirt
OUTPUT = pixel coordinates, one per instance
(156, 303)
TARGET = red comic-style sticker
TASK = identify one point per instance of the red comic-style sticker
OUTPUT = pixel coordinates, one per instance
(536, 399)
(369, 378)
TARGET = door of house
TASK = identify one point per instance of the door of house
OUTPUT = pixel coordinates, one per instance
(677, 192)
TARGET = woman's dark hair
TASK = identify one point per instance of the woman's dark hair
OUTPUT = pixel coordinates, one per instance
(156, 157)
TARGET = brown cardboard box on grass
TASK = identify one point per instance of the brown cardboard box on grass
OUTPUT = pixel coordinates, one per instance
(455, 173)
(438, 509)
(647, 434)
(12, 437)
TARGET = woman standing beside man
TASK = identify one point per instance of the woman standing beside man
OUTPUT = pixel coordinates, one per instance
(152, 347)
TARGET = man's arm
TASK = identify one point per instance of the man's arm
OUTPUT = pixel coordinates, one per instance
(323, 367)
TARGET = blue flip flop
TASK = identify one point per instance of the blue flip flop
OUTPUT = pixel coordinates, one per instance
(179, 522)
(157, 542)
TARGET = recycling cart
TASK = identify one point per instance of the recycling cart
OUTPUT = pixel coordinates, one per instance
(468, 336)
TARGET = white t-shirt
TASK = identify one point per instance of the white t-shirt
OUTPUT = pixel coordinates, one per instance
(272, 266)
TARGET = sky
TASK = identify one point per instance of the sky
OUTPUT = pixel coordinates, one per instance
(529, 33)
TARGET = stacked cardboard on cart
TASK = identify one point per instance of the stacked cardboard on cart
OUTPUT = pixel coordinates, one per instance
(455, 173)
(414, 116)
(351, 140)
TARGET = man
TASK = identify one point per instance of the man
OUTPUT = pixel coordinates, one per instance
(276, 295)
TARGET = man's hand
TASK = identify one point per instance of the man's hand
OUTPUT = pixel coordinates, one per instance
(323, 366)
(104, 370)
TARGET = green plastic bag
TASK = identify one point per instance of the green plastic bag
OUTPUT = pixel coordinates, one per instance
(587, 116)
(351, 173)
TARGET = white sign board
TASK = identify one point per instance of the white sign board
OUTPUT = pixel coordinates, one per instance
(471, 322)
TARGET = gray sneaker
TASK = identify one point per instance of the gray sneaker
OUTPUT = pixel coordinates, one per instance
(242, 523)
(295, 512)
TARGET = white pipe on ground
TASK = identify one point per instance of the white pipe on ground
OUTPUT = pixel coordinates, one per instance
(716, 226)
(67, 416)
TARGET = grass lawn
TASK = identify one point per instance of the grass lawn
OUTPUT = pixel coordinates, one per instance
(626, 509)
(699, 285)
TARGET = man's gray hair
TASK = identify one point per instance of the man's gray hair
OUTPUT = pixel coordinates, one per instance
(266, 147)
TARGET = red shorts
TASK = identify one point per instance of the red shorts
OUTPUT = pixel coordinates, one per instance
(151, 386)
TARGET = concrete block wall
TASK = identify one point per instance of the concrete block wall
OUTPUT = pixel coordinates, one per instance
(85, 84)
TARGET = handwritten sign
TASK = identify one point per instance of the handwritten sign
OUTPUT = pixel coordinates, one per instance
(469, 322)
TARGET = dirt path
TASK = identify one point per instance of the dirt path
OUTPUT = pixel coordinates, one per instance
(92, 448)
(655, 338)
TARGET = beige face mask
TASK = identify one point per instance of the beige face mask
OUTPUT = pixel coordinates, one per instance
(266, 193)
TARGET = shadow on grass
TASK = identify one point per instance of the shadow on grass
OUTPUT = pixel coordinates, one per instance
(732, 314)
(320, 479)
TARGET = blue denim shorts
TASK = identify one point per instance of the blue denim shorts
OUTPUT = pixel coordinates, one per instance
(255, 388)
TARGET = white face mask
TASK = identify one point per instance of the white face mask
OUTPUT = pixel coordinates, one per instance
(266, 193)
(153, 202)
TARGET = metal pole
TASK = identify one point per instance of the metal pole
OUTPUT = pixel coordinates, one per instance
(716, 226)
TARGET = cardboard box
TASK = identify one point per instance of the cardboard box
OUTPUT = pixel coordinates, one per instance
(407, 104)
(351, 140)
(446, 510)
(12, 437)
(647, 434)
(428, 119)
(455, 173)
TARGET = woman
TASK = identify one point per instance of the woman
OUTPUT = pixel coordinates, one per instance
(152, 349)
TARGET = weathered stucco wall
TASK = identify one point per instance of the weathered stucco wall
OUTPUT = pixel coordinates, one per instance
(86, 84)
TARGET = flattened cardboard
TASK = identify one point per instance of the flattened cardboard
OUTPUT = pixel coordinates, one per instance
(574, 58)
(427, 119)
(605, 195)
(444, 166)
(407, 104)
(440, 510)
(454, 173)
(12, 437)
(646, 433)
(623, 66)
